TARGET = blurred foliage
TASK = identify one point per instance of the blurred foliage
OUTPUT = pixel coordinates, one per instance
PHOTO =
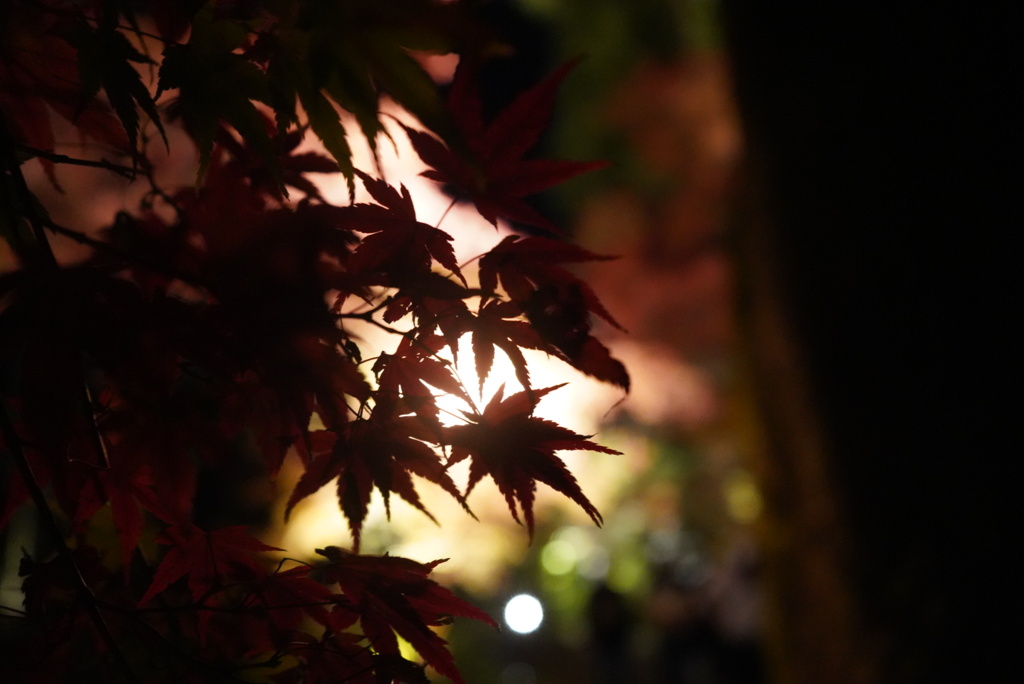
(614, 37)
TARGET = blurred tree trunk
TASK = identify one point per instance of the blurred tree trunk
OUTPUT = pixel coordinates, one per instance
(879, 260)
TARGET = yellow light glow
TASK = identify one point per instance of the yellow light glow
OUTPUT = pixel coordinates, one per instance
(558, 557)
(742, 497)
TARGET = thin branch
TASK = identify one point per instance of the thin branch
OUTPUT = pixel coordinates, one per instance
(367, 316)
(123, 171)
(384, 303)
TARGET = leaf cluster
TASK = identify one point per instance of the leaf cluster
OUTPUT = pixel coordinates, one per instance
(215, 325)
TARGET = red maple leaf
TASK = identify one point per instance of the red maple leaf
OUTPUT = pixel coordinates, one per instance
(290, 595)
(517, 449)
(210, 560)
(293, 166)
(129, 491)
(556, 302)
(397, 242)
(434, 301)
(271, 614)
(381, 451)
(495, 176)
(494, 326)
(392, 595)
(411, 372)
(527, 264)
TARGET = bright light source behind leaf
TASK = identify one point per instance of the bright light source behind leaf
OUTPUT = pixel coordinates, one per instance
(523, 613)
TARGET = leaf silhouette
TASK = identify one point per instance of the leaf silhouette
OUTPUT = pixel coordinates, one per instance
(393, 595)
(212, 328)
(557, 303)
(334, 657)
(397, 243)
(496, 176)
(216, 85)
(517, 450)
(412, 371)
(105, 58)
(492, 329)
(209, 559)
(39, 75)
(383, 451)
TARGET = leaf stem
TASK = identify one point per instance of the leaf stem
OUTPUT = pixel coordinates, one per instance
(440, 220)
(367, 316)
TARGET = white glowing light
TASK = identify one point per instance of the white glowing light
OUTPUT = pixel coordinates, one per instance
(523, 613)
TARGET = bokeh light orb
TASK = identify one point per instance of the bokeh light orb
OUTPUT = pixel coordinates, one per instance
(523, 613)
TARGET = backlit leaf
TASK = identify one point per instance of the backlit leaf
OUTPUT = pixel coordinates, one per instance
(395, 596)
(495, 177)
(517, 450)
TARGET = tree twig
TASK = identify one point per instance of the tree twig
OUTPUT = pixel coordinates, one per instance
(123, 171)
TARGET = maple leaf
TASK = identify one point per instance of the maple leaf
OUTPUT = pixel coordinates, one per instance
(393, 595)
(61, 631)
(172, 17)
(210, 560)
(105, 58)
(285, 53)
(495, 176)
(383, 451)
(561, 318)
(517, 449)
(271, 614)
(290, 595)
(292, 166)
(433, 300)
(412, 370)
(492, 328)
(49, 386)
(526, 264)
(217, 85)
(348, 55)
(557, 303)
(128, 492)
(38, 75)
(397, 243)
